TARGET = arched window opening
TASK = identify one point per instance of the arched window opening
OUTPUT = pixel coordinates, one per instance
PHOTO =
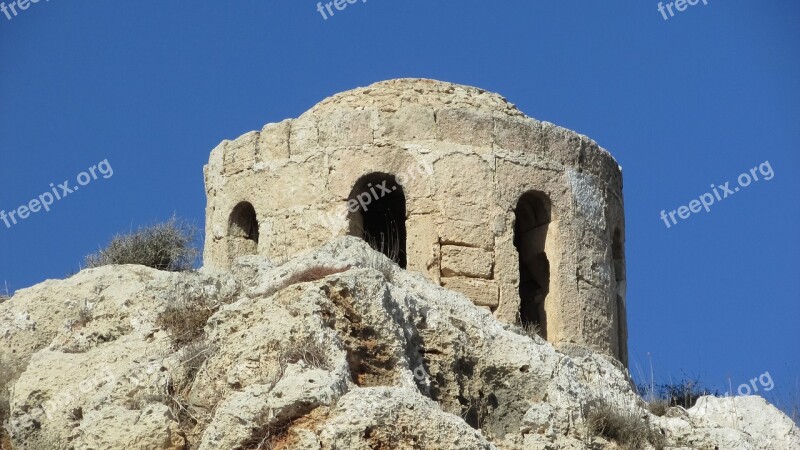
(377, 208)
(532, 216)
(618, 256)
(243, 230)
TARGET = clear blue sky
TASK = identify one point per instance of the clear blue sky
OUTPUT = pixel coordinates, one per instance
(682, 104)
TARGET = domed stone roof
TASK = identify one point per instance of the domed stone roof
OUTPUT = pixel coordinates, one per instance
(390, 95)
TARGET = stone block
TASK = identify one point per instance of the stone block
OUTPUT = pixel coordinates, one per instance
(464, 126)
(466, 261)
(519, 134)
(346, 128)
(481, 292)
(304, 136)
(274, 141)
(240, 154)
(422, 245)
(408, 123)
(468, 233)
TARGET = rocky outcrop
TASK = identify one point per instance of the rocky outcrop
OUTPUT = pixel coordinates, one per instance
(335, 349)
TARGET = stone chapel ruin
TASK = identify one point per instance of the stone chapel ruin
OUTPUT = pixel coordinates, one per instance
(522, 216)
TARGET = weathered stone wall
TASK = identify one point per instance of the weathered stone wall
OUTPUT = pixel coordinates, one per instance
(464, 158)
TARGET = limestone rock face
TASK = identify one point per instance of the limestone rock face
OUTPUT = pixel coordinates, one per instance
(337, 348)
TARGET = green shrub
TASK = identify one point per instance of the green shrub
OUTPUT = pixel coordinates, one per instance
(164, 246)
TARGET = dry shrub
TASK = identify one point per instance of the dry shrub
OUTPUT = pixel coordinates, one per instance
(85, 315)
(268, 434)
(532, 329)
(165, 246)
(476, 410)
(4, 294)
(658, 407)
(185, 315)
(192, 358)
(315, 273)
(174, 391)
(388, 244)
(683, 393)
(626, 428)
(8, 375)
(184, 320)
(308, 350)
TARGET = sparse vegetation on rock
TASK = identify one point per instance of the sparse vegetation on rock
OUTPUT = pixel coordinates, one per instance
(184, 321)
(625, 427)
(163, 246)
(683, 393)
(4, 294)
(8, 374)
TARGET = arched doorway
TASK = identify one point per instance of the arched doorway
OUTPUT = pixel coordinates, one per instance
(243, 231)
(377, 214)
(532, 216)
